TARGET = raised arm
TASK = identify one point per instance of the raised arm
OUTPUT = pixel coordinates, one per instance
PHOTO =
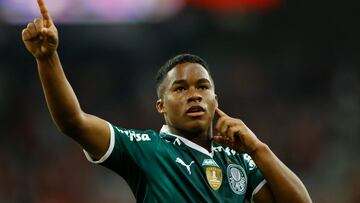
(41, 40)
(282, 184)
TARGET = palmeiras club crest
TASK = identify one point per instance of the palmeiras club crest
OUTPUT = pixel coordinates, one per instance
(237, 179)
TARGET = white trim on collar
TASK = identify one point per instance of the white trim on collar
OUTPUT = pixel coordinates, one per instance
(166, 129)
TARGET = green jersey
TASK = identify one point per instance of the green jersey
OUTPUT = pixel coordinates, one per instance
(163, 167)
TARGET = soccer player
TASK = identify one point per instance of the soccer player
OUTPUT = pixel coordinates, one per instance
(185, 161)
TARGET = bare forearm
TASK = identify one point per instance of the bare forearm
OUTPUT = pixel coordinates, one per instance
(41, 39)
(284, 184)
(60, 97)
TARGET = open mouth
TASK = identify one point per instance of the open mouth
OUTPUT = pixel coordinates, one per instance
(195, 111)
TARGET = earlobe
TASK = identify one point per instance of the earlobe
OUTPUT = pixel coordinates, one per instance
(160, 106)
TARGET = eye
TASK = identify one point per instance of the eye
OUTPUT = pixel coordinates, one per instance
(203, 87)
(179, 89)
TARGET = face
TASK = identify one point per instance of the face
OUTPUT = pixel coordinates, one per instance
(189, 101)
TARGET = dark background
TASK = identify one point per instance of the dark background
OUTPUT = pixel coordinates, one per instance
(290, 73)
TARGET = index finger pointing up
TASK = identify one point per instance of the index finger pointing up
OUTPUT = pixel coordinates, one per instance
(44, 12)
(220, 113)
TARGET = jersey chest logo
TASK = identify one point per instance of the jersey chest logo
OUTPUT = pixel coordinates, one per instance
(213, 173)
(237, 179)
(180, 161)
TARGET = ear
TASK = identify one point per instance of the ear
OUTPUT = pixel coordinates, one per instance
(160, 106)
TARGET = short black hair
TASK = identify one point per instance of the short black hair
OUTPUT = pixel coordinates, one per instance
(171, 63)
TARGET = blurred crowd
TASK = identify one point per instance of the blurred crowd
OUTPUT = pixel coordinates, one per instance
(292, 78)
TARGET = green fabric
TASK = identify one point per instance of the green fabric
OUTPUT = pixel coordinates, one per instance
(160, 167)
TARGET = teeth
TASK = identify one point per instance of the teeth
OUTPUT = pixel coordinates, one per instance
(195, 110)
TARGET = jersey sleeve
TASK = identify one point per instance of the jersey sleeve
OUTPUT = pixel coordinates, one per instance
(256, 179)
(128, 151)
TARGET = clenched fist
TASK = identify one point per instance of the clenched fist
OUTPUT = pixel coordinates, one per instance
(41, 37)
(235, 134)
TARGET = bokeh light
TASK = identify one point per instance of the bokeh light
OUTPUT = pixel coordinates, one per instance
(91, 11)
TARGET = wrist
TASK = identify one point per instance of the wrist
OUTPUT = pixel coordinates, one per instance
(258, 152)
(46, 58)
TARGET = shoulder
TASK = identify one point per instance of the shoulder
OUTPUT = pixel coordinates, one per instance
(243, 159)
(135, 134)
(248, 161)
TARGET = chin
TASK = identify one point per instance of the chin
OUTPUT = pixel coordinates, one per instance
(197, 126)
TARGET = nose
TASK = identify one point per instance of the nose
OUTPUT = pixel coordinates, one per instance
(194, 97)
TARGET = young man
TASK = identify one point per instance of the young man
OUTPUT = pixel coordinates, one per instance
(185, 161)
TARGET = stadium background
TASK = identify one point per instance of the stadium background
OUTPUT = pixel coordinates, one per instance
(290, 70)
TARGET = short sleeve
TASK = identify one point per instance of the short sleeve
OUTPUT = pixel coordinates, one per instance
(128, 151)
(256, 179)
(109, 150)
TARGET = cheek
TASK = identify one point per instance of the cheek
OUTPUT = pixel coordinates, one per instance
(172, 104)
(212, 104)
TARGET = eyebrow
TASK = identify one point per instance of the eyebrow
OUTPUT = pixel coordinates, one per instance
(178, 82)
(202, 80)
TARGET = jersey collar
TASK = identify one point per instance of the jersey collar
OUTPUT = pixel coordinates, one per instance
(165, 129)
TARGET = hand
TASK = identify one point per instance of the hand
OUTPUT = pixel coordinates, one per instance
(41, 37)
(235, 134)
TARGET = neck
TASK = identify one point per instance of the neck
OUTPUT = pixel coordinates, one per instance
(202, 138)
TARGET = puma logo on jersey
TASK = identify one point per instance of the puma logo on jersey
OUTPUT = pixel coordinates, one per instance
(180, 161)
